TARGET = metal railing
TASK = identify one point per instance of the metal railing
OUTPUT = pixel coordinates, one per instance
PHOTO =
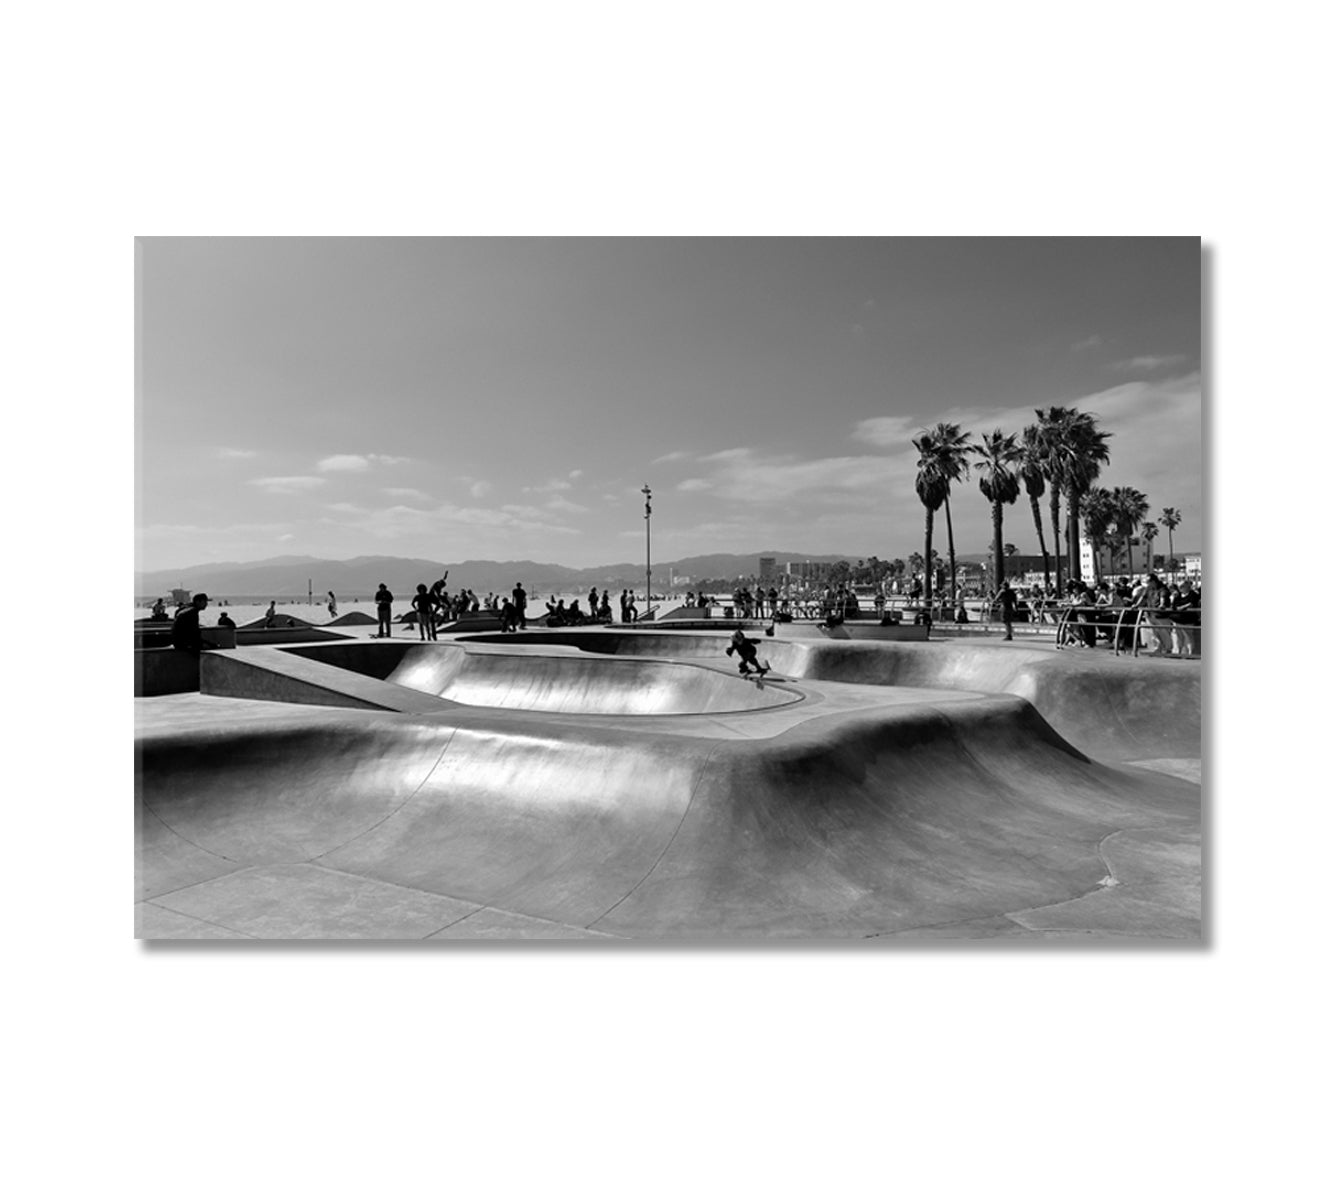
(1171, 638)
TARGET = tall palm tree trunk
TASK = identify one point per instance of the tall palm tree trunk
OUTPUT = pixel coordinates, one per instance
(949, 530)
(1042, 541)
(1171, 554)
(1056, 534)
(1072, 537)
(926, 568)
(998, 546)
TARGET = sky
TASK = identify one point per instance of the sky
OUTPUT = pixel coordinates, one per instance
(508, 398)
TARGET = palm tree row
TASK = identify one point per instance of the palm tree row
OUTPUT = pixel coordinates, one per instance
(1061, 456)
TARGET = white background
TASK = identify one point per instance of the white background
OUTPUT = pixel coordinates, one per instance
(537, 1070)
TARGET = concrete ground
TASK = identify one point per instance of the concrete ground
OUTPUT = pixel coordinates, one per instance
(606, 784)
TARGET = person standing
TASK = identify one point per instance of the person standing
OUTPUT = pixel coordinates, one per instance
(425, 608)
(384, 600)
(333, 606)
(520, 598)
(1007, 602)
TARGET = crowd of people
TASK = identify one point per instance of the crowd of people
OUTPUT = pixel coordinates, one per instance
(433, 607)
(1166, 620)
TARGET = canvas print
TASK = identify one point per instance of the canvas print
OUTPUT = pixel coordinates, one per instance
(669, 589)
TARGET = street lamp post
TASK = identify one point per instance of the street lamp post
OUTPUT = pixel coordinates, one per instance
(648, 545)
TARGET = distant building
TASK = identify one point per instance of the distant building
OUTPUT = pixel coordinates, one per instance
(808, 572)
(1016, 567)
(768, 570)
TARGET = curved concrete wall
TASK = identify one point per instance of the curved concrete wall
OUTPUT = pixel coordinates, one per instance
(1116, 708)
(557, 683)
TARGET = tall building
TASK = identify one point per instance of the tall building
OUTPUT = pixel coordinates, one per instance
(768, 570)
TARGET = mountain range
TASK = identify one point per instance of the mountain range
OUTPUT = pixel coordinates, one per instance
(289, 576)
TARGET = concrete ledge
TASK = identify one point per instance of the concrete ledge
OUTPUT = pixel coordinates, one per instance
(165, 672)
(266, 673)
(159, 637)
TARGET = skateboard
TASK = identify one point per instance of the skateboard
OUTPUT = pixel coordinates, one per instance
(759, 673)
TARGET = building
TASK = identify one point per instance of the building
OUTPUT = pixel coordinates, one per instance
(768, 570)
(808, 572)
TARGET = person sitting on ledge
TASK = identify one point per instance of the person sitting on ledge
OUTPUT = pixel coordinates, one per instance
(225, 622)
(159, 610)
(185, 633)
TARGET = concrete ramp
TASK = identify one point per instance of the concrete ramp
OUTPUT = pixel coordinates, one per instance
(856, 823)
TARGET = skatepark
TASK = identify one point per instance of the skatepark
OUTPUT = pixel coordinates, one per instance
(628, 783)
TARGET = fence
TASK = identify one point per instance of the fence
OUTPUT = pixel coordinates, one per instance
(1132, 629)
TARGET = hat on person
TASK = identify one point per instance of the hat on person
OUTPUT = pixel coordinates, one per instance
(198, 596)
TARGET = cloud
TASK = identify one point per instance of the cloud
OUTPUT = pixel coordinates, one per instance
(673, 456)
(406, 493)
(288, 485)
(357, 462)
(233, 452)
(481, 527)
(1089, 343)
(576, 473)
(1148, 362)
(560, 504)
(693, 485)
(479, 489)
(551, 485)
(344, 462)
(887, 431)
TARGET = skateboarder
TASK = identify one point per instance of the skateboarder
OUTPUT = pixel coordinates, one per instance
(745, 647)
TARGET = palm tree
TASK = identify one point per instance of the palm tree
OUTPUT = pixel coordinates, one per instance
(1148, 532)
(933, 486)
(1171, 518)
(1054, 451)
(1099, 516)
(998, 480)
(1072, 451)
(1035, 483)
(951, 448)
(1088, 456)
(1130, 507)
